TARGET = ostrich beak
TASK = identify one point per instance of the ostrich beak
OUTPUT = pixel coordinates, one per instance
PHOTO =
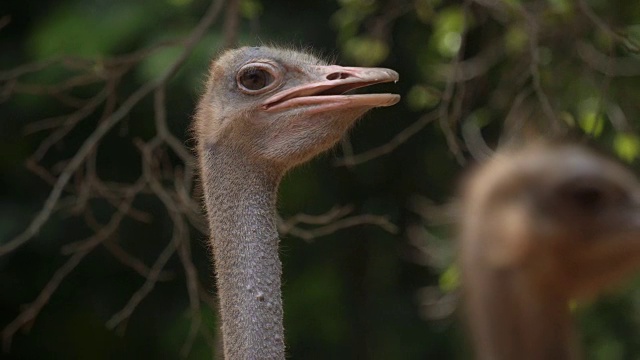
(327, 90)
(613, 257)
(624, 219)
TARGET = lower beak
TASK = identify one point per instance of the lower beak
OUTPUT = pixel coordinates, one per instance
(326, 90)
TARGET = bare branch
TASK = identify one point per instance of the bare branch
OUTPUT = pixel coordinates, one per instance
(334, 226)
(27, 69)
(584, 7)
(71, 121)
(134, 263)
(623, 67)
(396, 141)
(534, 67)
(31, 312)
(179, 234)
(103, 128)
(474, 141)
(148, 285)
(331, 215)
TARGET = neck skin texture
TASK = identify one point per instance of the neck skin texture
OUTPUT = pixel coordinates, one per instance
(241, 205)
(513, 317)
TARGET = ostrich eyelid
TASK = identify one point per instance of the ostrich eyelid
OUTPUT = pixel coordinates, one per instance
(271, 69)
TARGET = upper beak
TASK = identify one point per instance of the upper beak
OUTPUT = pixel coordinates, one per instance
(327, 91)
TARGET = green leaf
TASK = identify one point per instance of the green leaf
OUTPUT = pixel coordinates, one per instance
(421, 97)
(516, 39)
(592, 123)
(366, 51)
(251, 9)
(561, 6)
(448, 29)
(425, 10)
(450, 279)
(590, 117)
(481, 117)
(627, 146)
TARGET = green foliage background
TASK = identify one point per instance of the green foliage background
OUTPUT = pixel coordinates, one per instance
(477, 68)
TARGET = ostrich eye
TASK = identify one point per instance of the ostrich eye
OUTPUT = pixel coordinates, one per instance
(592, 194)
(253, 79)
(587, 197)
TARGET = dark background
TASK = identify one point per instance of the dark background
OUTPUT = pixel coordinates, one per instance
(473, 75)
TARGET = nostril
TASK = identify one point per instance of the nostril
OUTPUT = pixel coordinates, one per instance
(337, 75)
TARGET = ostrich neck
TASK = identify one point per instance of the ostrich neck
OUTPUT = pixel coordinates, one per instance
(513, 318)
(240, 199)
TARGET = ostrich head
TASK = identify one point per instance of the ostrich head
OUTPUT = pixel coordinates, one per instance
(562, 211)
(283, 107)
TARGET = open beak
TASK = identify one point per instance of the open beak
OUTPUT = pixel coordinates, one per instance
(328, 92)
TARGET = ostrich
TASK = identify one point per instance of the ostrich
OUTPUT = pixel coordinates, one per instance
(264, 111)
(541, 226)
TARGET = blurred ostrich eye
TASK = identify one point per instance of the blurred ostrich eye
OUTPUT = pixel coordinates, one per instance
(587, 197)
(253, 79)
(590, 194)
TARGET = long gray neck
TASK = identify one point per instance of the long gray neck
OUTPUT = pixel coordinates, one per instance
(240, 199)
(513, 318)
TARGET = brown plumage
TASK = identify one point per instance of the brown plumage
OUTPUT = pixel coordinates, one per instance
(541, 226)
(265, 110)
